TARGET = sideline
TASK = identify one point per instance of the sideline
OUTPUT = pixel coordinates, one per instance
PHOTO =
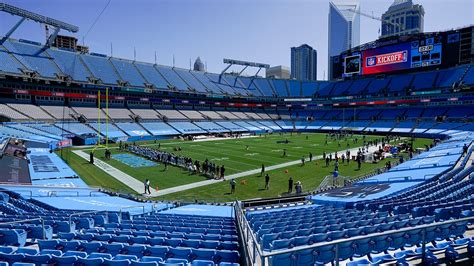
(137, 185)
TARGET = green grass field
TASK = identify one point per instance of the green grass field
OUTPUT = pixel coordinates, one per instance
(237, 158)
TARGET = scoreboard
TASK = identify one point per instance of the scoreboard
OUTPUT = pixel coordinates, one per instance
(426, 52)
(402, 54)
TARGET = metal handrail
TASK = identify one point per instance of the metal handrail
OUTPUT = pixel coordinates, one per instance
(54, 193)
(6, 190)
(29, 220)
(81, 213)
(266, 254)
(130, 207)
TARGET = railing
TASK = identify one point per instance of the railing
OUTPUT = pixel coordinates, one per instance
(82, 213)
(16, 191)
(29, 220)
(265, 255)
(130, 207)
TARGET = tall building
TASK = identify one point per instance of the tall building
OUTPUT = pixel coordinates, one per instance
(278, 72)
(403, 17)
(304, 63)
(198, 65)
(343, 29)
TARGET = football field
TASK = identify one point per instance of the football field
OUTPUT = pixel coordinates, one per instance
(237, 155)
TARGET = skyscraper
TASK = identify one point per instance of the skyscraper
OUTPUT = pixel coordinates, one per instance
(278, 72)
(403, 17)
(304, 63)
(343, 29)
(198, 65)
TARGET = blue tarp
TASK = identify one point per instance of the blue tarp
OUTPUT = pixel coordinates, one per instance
(203, 210)
(46, 165)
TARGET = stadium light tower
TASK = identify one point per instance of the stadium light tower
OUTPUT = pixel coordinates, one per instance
(246, 64)
(25, 14)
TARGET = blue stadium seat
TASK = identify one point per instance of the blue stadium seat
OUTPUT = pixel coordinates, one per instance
(227, 256)
(12, 237)
(202, 263)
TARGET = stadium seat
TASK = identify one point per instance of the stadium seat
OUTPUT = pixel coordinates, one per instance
(12, 237)
(202, 263)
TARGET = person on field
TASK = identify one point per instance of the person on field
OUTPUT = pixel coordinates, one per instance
(263, 170)
(91, 157)
(267, 181)
(290, 185)
(147, 186)
(232, 186)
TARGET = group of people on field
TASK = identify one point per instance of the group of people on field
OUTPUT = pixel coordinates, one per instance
(206, 168)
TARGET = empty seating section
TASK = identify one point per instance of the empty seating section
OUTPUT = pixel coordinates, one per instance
(8, 63)
(159, 128)
(213, 88)
(151, 75)
(446, 78)
(16, 56)
(187, 128)
(118, 113)
(11, 131)
(211, 127)
(235, 85)
(34, 131)
(399, 84)
(104, 239)
(264, 86)
(341, 88)
(146, 113)
(279, 85)
(460, 112)
(101, 68)
(367, 114)
(128, 72)
(252, 115)
(325, 88)
(193, 115)
(294, 88)
(111, 130)
(70, 64)
(58, 112)
(377, 86)
(171, 114)
(8, 112)
(392, 113)
(210, 114)
(358, 87)
(220, 83)
(250, 85)
(173, 79)
(231, 126)
(30, 110)
(228, 115)
(191, 80)
(33, 58)
(424, 81)
(90, 112)
(240, 115)
(308, 88)
(75, 128)
(469, 77)
(132, 129)
(48, 128)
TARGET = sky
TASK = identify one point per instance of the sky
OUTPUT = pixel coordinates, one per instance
(254, 30)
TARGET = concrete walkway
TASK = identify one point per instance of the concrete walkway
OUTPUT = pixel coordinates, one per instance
(137, 185)
(128, 180)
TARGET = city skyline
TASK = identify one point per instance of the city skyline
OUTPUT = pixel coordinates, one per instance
(183, 30)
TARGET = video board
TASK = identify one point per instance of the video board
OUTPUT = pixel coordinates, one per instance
(408, 55)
